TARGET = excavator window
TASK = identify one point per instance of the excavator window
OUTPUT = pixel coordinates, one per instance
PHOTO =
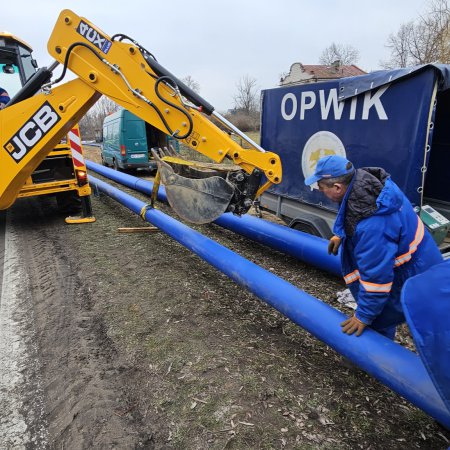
(17, 66)
(29, 64)
(10, 78)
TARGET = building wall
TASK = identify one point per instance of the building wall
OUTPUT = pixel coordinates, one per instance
(296, 75)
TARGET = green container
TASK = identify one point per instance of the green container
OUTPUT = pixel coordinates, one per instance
(436, 223)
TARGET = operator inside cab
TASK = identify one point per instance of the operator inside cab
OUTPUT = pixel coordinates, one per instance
(4, 98)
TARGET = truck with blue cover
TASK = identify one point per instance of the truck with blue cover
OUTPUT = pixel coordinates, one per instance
(395, 119)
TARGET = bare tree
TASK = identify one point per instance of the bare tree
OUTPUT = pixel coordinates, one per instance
(92, 123)
(246, 99)
(423, 40)
(191, 83)
(345, 54)
(400, 45)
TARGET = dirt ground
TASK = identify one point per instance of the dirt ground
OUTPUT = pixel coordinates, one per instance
(138, 343)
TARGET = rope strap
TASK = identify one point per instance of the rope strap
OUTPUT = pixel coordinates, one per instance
(144, 210)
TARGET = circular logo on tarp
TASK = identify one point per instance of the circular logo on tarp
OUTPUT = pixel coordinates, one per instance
(320, 144)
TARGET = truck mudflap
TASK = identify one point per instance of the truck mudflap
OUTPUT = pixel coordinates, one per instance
(426, 303)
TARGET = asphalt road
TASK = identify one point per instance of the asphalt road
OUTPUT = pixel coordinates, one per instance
(2, 246)
(19, 390)
(13, 429)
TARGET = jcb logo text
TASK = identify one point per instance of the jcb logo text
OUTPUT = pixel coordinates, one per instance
(32, 132)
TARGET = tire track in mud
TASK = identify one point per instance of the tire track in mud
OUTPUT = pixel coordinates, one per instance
(79, 368)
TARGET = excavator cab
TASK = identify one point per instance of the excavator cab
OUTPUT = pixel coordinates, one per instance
(17, 64)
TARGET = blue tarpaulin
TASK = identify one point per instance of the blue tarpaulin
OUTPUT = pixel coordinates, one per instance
(382, 119)
(349, 87)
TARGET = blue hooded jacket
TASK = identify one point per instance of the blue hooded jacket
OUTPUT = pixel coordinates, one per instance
(384, 243)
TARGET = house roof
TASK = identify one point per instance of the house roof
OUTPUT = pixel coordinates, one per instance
(307, 73)
(323, 71)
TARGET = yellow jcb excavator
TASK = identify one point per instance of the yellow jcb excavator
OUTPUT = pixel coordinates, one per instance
(43, 111)
(62, 174)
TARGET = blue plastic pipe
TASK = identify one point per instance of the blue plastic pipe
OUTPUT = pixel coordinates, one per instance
(305, 247)
(395, 366)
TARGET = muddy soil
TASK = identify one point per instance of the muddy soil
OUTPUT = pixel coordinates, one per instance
(141, 344)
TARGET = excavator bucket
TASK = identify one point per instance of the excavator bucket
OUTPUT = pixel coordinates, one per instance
(195, 195)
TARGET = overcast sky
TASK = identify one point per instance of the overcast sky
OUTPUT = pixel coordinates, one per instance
(218, 42)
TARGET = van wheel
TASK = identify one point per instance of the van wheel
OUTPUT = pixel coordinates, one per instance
(104, 162)
(115, 165)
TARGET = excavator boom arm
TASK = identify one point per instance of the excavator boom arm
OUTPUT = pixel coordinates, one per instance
(131, 77)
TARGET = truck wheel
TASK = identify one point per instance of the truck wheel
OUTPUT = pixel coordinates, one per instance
(68, 202)
(306, 228)
(115, 165)
(312, 224)
(103, 161)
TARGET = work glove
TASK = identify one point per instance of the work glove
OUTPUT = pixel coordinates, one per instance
(333, 245)
(353, 324)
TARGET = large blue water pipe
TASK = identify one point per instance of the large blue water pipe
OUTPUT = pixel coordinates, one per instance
(305, 247)
(395, 366)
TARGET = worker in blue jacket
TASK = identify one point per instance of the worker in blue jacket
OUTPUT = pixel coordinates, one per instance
(4, 98)
(383, 241)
